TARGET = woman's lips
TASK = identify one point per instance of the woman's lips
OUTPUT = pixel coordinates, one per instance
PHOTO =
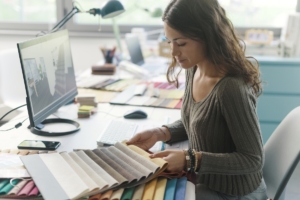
(181, 61)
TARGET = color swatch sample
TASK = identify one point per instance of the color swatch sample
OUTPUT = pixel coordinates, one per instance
(98, 174)
(80, 173)
(168, 96)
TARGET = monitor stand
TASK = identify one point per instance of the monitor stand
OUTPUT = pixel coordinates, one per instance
(38, 128)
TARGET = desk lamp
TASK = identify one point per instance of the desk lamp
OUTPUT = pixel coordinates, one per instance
(110, 9)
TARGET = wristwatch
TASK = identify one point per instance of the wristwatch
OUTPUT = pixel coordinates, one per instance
(188, 160)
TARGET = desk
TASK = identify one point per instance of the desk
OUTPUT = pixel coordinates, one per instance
(91, 128)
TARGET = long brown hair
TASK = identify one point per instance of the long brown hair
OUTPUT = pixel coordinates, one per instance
(206, 21)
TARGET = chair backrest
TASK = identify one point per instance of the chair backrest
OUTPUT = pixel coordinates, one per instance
(282, 154)
(12, 89)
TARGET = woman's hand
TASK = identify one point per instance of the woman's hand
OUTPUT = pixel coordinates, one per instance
(175, 158)
(146, 139)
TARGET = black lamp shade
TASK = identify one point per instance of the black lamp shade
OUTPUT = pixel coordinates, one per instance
(111, 9)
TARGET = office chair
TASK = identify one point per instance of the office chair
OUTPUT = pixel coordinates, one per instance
(282, 154)
(12, 89)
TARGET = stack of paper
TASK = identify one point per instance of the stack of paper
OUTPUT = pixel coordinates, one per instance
(87, 99)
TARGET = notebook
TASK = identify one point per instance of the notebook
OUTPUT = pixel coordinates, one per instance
(155, 65)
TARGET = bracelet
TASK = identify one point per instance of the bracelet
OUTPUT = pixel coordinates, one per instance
(192, 158)
(196, 160)
(188, 160)
(163, 133)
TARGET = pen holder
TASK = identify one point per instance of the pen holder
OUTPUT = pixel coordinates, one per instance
(104, 69)
(108, 54)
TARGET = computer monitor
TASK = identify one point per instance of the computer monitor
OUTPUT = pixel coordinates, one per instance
(134, 49)
(49, 78)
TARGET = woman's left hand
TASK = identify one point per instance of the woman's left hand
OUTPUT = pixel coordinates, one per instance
(175, 158)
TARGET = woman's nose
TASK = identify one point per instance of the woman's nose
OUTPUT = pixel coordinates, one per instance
(174, 50)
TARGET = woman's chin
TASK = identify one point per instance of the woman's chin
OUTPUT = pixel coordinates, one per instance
(185, 66)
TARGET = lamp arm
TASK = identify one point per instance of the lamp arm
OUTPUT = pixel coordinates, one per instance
(64, 22)
(65, 19)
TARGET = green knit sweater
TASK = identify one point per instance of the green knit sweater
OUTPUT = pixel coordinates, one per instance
(224, 127)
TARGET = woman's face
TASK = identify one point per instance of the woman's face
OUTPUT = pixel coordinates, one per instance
(187, 52)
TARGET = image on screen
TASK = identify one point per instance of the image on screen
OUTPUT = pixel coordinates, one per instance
(48, 70)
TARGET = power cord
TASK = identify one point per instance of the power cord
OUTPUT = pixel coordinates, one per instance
(12, 111)
(110, 114)
(16, 126)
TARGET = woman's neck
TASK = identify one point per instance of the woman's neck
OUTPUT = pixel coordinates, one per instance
(207, 69)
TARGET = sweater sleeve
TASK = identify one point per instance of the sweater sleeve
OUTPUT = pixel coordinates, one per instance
(178, 132)
(238, 107)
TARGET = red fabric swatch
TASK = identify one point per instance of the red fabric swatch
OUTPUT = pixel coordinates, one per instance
(34, 192)
(26, 189)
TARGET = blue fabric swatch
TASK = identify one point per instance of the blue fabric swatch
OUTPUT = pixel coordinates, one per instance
(170, 189)
(180, 188)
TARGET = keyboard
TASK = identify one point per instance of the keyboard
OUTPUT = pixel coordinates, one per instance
(116, 131)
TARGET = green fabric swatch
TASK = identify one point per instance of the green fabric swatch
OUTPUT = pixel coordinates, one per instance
(4, 190)
(3, 183)
(128, 193)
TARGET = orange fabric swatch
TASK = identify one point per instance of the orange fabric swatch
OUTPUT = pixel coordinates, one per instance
(95, 197)
(106, 195)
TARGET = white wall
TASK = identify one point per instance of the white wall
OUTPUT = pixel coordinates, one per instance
(85, 51)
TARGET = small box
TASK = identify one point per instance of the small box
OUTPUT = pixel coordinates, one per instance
(104, 69)
(164, 49)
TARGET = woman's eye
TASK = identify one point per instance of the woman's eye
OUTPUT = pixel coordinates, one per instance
(181, 45)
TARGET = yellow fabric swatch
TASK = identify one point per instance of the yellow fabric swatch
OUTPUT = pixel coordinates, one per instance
(116, 195)
(101, 96)
(172, 104)
(149, 190)
(176, 94)
(86, 108)
(160, 188)
(159, 161)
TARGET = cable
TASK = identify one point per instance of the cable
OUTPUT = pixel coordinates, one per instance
(55, 115)
(16, 126)
(76, 2)
(110, 114)
(12, 111)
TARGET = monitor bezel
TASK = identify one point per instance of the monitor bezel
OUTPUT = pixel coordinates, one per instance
(69, 97)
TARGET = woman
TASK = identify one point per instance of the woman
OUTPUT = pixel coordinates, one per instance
(218, 114)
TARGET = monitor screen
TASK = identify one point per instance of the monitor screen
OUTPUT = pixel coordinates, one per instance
(48, 73)
(134, 49)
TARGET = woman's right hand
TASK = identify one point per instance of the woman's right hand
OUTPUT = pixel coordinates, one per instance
(146, 139)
